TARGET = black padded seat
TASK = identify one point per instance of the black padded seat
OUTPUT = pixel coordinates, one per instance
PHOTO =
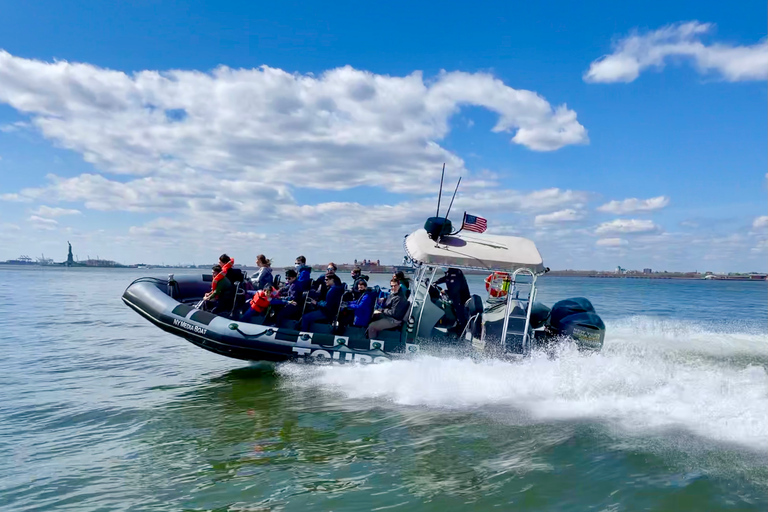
(321, 328)
(354, 332)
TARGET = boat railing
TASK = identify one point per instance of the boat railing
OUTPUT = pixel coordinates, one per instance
(515, 296)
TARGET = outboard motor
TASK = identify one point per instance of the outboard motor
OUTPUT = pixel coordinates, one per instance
(577, 319)
(539, 315)
(474, 307)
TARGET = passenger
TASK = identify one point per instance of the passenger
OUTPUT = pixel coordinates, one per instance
(357, 274)
(329, 307)
(392, 313)
(404, 282)
(319, 289)
(457, 290)
(303, 272)
(289, 300)
(258, 304)
(263, 277)
(358, 313)
(220, 298)
(235, 275)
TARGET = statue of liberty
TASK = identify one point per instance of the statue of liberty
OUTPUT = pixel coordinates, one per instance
(70, 259)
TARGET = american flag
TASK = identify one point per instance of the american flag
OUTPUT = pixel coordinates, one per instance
(474, 223)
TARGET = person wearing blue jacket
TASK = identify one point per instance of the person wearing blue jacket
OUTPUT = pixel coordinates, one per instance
(290, 299)
(327, 308)
(362, 308)
(304, 272)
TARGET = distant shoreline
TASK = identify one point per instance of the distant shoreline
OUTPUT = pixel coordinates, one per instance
(387, 269)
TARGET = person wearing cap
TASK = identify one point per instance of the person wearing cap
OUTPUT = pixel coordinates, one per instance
(289, 300)
(357, 274)
(458, 293)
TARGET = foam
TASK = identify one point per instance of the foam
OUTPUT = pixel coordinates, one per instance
(642, 382)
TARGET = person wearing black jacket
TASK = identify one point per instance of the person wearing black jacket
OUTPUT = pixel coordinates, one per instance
(392, 312)
(458, 292)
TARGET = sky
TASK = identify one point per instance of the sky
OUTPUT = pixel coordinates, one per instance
(170, 132)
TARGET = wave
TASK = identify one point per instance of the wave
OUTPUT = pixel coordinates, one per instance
(649, 378)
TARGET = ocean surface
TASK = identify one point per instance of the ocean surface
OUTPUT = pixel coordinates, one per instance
(101, 411)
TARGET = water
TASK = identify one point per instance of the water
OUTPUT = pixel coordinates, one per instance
(99, 410)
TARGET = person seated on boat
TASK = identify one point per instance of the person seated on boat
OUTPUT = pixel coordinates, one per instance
(235, 275)
(327, 308)
(263, 277)
(358, 312)
(357, 273)
(392, 312)
(290, 300)
(319, 288)
(303, 272)
(404, 282)
(258, 304)
(457, 290)
(222, 293)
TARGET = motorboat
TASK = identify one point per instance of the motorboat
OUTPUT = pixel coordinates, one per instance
(508, 323)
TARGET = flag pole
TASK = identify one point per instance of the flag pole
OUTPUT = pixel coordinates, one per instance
(462, 224)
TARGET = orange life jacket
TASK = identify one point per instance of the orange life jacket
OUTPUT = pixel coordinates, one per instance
(260, 301)
(221, 275)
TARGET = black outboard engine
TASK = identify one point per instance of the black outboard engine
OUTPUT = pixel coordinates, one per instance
(539, 315)
(576, 318)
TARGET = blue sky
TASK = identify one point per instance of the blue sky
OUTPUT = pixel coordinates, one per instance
(168, 132)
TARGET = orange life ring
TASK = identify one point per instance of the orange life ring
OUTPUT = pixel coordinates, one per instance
(497, 284)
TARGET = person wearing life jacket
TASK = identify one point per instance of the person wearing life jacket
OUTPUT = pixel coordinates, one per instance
(327, 308)
(458, 293)
(222, 294)
(258, 303)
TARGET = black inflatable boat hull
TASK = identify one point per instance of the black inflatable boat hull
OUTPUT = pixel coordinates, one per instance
(151, 298)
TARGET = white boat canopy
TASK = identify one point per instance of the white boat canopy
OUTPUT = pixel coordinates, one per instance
(474, 251)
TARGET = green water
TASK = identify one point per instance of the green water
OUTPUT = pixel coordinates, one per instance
(102, 411)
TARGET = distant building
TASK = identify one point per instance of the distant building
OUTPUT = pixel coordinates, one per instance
(647, 271)
(620, 270)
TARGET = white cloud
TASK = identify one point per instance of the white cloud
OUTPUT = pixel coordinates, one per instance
(760, 222)
(568, 215)
(47, 211)
(611, 242)
(41, 223)
(633, 205)
(341, 129)
(620, 226)
(637, 52)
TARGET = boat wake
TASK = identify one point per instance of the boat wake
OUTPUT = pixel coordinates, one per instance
(651, 377)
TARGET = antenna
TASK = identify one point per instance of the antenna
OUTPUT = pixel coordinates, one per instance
(454, 197)
(439, 195)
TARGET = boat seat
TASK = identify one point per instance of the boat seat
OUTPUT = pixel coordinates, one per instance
(354, 332)
(257, 319)
(321, 328)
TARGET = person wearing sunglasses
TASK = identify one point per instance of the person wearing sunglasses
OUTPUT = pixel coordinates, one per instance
(319, 286)
(327, 309)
